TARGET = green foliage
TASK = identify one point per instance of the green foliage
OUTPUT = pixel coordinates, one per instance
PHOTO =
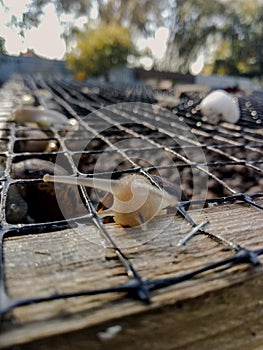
(245, 40)
(195, 26)
(229, 32)
(100, 49)
(143, 16)
(225, 67)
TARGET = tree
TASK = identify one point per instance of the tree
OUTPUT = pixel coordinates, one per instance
(140, 15)
(194, 27)
(243, 44)
(98, 50)
(228, 31)
(2, 45)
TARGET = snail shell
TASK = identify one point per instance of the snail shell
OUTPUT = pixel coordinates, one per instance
(220, 105)
(172, 189)
(131, 201)
(44, 202)
(36, 141)
(42, 117)
(16, 206)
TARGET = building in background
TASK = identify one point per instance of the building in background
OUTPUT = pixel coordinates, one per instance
(28, 63)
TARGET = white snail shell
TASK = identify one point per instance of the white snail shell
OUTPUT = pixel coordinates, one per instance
(218, 106)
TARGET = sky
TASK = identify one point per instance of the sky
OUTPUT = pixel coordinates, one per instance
(46, 40)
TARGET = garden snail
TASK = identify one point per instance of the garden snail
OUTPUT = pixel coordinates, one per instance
(132, 200)
(220, 105)
(35, 141)
(37, 201)
(16, 206)
(40, 116)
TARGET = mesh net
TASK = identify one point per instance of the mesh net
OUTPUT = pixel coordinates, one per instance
(112, 131)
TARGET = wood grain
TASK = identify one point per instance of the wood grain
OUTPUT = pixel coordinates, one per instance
(218, 310)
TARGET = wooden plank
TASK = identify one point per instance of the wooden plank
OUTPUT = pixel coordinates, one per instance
(75, 259)
(230, 318)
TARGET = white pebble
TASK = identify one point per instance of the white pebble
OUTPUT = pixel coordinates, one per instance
(220, 106)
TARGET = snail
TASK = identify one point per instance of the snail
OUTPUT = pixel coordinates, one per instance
(132, 200)
(36, 141)
(220, 105)
(38, 201)
(16, 206)
(42, 117)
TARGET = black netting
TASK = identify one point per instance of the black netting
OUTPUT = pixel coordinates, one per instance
(122, 130)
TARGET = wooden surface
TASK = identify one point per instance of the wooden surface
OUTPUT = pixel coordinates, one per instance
(218, 310)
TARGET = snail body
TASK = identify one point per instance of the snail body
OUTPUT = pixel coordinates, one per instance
(134, 200)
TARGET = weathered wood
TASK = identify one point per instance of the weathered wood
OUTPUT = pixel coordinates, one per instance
(230, 318)
(218, 310)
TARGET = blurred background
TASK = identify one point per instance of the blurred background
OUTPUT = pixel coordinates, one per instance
(132, 39)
